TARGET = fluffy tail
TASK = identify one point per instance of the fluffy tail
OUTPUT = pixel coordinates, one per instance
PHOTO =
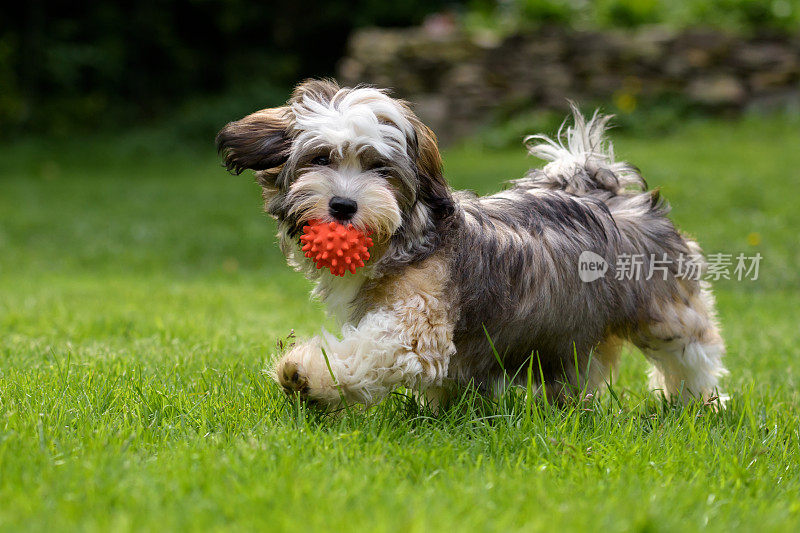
(580, 159)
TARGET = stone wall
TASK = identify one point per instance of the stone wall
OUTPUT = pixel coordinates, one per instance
(459, 82)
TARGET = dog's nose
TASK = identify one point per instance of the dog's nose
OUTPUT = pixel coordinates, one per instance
(342, 208)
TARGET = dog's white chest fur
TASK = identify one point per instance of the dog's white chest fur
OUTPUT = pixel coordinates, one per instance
(339, 292)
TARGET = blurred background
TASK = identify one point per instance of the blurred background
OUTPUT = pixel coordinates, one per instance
(486, 69)
(108, 112)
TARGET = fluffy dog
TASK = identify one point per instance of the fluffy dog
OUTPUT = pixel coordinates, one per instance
(453, 273)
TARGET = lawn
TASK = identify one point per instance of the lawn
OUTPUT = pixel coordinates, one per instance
(141, 295)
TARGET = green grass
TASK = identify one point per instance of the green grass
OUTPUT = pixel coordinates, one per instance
(141, 294)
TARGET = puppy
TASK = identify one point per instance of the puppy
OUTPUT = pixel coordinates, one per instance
(458, 284)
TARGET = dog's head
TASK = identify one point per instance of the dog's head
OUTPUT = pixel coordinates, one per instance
(353, 155)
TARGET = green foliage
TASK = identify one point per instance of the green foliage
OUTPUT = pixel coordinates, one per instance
(79, 66)
(546, 11)
(633, 114)
(744, 16)
(628, 13)
(751, 15)
(67, 67)
(141, 293)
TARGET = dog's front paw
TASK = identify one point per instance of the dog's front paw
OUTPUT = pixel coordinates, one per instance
(302, 372)
(292, 378)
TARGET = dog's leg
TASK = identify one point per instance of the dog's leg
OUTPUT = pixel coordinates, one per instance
(596, 368)
(602, 366)
(406, 340)
(367, 362)
(370, 360)
(440, 397)
(685, 348)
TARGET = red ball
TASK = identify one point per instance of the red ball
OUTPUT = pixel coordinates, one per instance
(331, 245)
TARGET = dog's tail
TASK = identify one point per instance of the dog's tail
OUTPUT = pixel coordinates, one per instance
(581, 160)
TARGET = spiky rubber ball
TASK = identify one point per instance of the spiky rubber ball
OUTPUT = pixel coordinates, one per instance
(334, 246)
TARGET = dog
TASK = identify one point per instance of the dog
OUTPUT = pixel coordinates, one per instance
(465, 290)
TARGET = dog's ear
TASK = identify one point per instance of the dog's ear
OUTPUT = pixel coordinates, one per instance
(429, 160)
(259, 141)
(434, 203)
(434, 190)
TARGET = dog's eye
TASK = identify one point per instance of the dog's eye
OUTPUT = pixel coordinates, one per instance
(380, 168)
(321, 160)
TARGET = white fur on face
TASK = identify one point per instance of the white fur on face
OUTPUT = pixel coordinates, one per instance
(352, 120)
(378, 210)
